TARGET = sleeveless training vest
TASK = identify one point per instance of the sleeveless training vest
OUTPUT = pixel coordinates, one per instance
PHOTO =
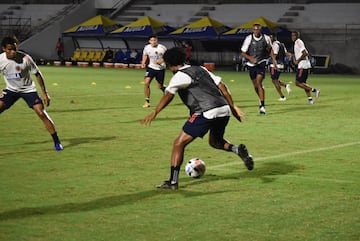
(202, 94)
(258, 48)
(280, 57)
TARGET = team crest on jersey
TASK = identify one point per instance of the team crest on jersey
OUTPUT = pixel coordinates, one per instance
(17, 68)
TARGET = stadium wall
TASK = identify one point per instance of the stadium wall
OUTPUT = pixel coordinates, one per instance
(42, 45)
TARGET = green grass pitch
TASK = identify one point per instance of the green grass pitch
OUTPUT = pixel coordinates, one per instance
(304, 187)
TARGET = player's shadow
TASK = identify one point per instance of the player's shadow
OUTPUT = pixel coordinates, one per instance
(81, 140)
(78, 140)
(267, 172)
(100, 203)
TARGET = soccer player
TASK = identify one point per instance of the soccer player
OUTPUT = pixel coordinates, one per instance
(256, 49)
(210, 104)
(277, 66)
(153, 55)
(17, 68)
(303, 66)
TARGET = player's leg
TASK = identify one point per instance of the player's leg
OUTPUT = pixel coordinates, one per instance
(7, 99)
(195, 126)
(147, 82)
(34, 101)
(160, 78)
(301, 78)
(277, 83)
(177, 157)
(261, 92)
(216, 140)
(2, 106)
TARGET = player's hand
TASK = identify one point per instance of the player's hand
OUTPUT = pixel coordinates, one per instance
(252, 59)
(46, 99)
(147, 120)
(238, 114)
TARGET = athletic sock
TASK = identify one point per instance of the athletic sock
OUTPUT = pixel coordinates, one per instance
(147, 100)
(262, 103)
(55, 137)
(234, 148)
(174, 175)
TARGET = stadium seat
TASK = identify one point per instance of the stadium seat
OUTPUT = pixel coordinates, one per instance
(119, 57)
(138, 58)
(76, 55)
(83, 55)
(127, 56)
(90, 55)
(98, 55)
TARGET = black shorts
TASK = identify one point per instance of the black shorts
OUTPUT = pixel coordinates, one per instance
(9, 98)
(256, 70)
(302, 75)
(275, 74)
(197, 126)
(159, 75)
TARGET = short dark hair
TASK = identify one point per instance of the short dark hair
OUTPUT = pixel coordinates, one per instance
(8, 40)
(257, 25)
(174, 56)
(273, 34)
(296, 33)
(152, 36)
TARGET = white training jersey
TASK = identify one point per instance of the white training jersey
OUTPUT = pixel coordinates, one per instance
(299, 47)
(180, 80)
(155, 53)
(248, 41)
(17, 76)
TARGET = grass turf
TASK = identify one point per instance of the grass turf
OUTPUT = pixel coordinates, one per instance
(305, 185)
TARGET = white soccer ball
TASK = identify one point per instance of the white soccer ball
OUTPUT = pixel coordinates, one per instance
(195, 168)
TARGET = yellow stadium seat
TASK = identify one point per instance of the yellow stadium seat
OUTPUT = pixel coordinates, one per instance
(98, 55)
(76, 55)
(83, 55)
(90, 55)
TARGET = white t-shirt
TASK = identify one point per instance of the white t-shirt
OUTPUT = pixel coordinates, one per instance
(247, 42)
(180, 80)
(17, 76)
(155, 53)
(299, 46)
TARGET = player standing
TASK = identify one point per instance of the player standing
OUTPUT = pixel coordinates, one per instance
(17, 67)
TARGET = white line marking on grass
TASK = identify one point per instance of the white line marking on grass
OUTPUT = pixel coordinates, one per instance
(257, 159)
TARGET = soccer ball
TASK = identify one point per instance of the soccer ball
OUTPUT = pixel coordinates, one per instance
(195, 168)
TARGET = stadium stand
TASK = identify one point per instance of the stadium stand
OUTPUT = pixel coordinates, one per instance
(328, 27)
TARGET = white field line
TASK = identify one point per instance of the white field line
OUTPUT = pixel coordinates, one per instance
(260, 159)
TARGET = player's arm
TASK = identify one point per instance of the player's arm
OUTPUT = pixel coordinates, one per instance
(39, 77)
(165, 100)
(41, 83)
(145, 59)
(245, 48)
(273, 57)
(238, 114)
